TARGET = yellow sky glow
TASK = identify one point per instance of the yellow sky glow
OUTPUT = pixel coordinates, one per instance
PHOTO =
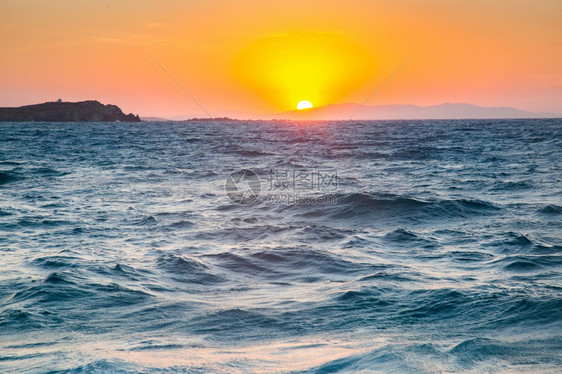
(321, 67)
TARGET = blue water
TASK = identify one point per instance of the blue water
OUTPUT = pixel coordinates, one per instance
(430, 246)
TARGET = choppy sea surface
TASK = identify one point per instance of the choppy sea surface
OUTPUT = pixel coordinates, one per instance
(397, 246)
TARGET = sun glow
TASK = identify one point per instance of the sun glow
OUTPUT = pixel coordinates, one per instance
(305, 104)
(283, 68)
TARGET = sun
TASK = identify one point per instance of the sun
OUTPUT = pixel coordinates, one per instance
(305, 104)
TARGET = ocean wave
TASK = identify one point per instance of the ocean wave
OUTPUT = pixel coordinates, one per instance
(405, 237)
(48, 172)
(510, 242)
(102, 366)
(470, 256)
(527, 263)
(230, 324)
(71, 286)
(322, 233)
(9, 177)
(55, 262)
(418, 153)
(251, 153)
(4, 213)
(512, 186)
(550, 209)
(289, 265)
(470, 355)
(472, 352)
(56, 287)
(239, 234)
(389, 206)
(187, 270)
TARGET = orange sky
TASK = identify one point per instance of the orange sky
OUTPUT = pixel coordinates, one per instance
(265, 56)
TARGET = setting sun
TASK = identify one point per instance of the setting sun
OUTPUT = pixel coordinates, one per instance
(283, 68)
(305, 104)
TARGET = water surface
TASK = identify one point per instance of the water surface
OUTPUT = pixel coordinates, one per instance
(438, 247)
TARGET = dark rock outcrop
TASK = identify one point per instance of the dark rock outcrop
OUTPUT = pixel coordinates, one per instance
(83, 111)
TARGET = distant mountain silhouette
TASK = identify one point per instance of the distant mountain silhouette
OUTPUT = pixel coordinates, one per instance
(340, 112)
(442, 111)
(83, 111)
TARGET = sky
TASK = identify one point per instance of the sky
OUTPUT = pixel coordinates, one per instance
(266, 56)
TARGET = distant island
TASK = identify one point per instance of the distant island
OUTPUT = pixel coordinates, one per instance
(59, 111)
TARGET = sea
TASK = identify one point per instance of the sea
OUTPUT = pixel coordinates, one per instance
(278, 246)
